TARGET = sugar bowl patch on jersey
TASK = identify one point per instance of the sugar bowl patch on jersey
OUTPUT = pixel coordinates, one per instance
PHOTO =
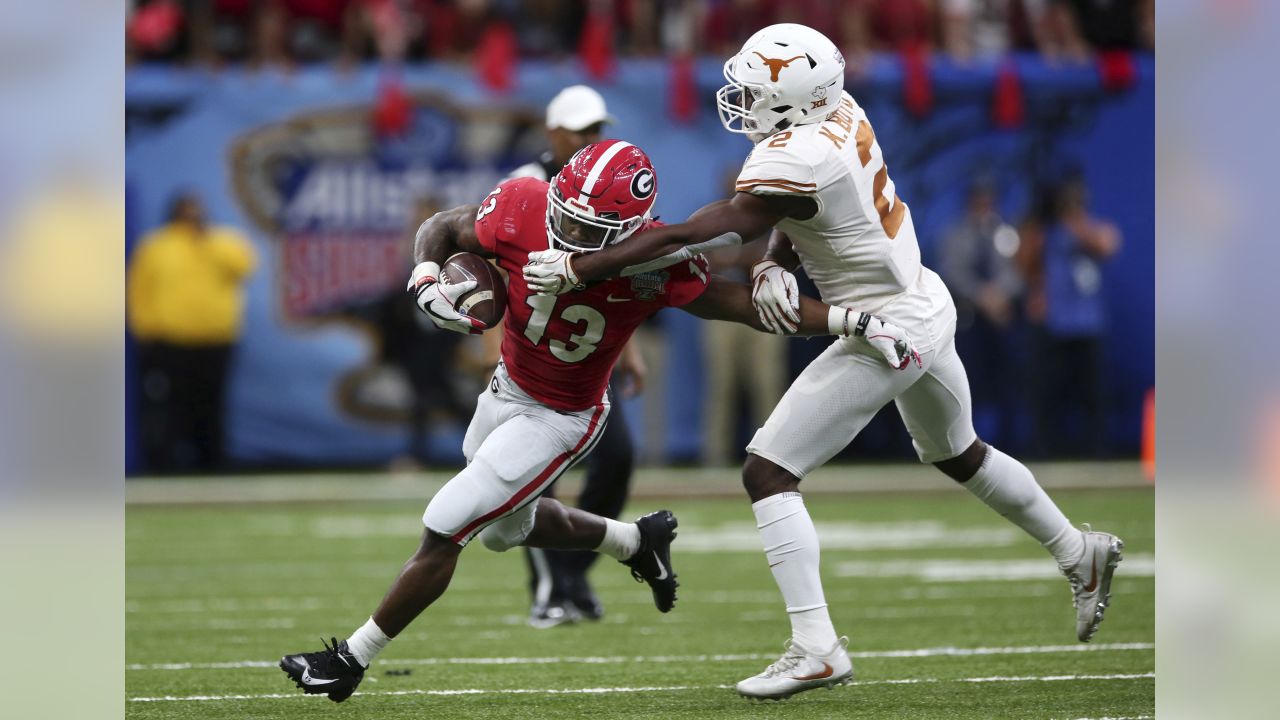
(648, 286)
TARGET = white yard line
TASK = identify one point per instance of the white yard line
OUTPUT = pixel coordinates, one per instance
(1008, 678)
(617, 659)
(1126, 717)
(612, 690)
(948, 570)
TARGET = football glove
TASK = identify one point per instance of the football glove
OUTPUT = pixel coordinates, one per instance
(550, 272)
(776, 297)
(889, 339)
(437, 297)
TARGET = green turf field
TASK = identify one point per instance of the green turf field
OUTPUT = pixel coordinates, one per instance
(951, 613)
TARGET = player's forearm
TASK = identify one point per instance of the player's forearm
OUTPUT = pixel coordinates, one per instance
(731, 301)
(781, 251)
(651, 250)
(441, 234)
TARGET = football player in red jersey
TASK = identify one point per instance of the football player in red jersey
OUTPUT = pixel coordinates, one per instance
(546, 405)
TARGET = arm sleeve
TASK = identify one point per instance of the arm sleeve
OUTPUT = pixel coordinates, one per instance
(237, 253)
(776, 171)
(688, 281)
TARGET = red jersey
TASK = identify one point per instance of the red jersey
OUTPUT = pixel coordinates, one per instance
(561, 349)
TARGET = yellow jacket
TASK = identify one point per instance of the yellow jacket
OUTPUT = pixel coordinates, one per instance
(185, 287)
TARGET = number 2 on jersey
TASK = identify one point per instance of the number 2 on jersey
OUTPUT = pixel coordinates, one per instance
(891, 212)
(583, 344)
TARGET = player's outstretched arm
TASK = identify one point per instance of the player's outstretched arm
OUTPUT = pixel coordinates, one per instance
(727, 300)
(722, 223)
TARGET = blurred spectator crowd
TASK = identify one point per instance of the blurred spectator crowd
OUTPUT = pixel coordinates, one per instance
(288, 32)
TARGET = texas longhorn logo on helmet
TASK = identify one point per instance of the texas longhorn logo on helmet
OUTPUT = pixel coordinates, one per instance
(775, 65)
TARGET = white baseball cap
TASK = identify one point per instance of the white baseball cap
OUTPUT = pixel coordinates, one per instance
(577, 107)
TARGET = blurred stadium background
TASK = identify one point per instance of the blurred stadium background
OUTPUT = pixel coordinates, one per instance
(324, 130)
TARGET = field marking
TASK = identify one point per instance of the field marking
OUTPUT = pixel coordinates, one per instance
(950, 570)
(485, 597)
(657, 688)
(392, 693)
(946, 651)
(1126, 717)
(1008, 678)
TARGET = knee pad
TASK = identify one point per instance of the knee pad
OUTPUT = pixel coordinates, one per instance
(509, 531)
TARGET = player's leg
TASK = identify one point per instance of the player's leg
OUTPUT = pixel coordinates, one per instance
(937, 412)
(644, 546)
(832, 400)
(604, 492)
(337, 670)
(548, 606)
(561, 592)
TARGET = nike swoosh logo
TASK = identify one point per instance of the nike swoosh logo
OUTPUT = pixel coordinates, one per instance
(611, 298)
(1093, 581)
(308, 680)
(662, 569)
(826, 673)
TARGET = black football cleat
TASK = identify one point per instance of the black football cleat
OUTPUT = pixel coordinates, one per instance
(652, 562)
(333, 671)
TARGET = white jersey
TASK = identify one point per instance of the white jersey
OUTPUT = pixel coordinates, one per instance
(860, 248)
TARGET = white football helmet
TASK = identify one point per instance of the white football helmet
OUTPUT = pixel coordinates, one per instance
(784, 75)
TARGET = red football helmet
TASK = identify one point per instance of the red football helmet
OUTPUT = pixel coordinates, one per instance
(603, 195)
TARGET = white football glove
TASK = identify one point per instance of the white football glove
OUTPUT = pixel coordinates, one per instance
(550, 272)
(889, 339)
(776, 297)
(437, 297)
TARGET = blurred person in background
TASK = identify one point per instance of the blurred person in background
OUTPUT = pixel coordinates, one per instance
(305, 31)
(185, 295)
(576, 117)
(979, 28)
(157, 30)
(1061, 256)
(976, 261)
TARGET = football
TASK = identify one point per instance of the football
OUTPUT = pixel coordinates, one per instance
(488, 301)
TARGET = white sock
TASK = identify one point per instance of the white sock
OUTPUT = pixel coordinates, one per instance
(791, 546)
(366, 642)
(621, 540)
(1009, 488)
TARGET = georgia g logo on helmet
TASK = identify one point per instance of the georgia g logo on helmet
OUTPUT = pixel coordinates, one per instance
(642, 184)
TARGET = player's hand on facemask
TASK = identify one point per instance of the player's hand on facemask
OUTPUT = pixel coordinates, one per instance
(889, 339)
(437, 297)
(550, 272)
(776, 297)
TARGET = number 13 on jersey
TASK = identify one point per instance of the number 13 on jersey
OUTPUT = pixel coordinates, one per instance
(580, 344)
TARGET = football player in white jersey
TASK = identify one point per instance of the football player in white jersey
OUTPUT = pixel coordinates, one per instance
(818, 177)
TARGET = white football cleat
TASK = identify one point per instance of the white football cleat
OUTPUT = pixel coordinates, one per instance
(1090, 579)
(798, 670)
